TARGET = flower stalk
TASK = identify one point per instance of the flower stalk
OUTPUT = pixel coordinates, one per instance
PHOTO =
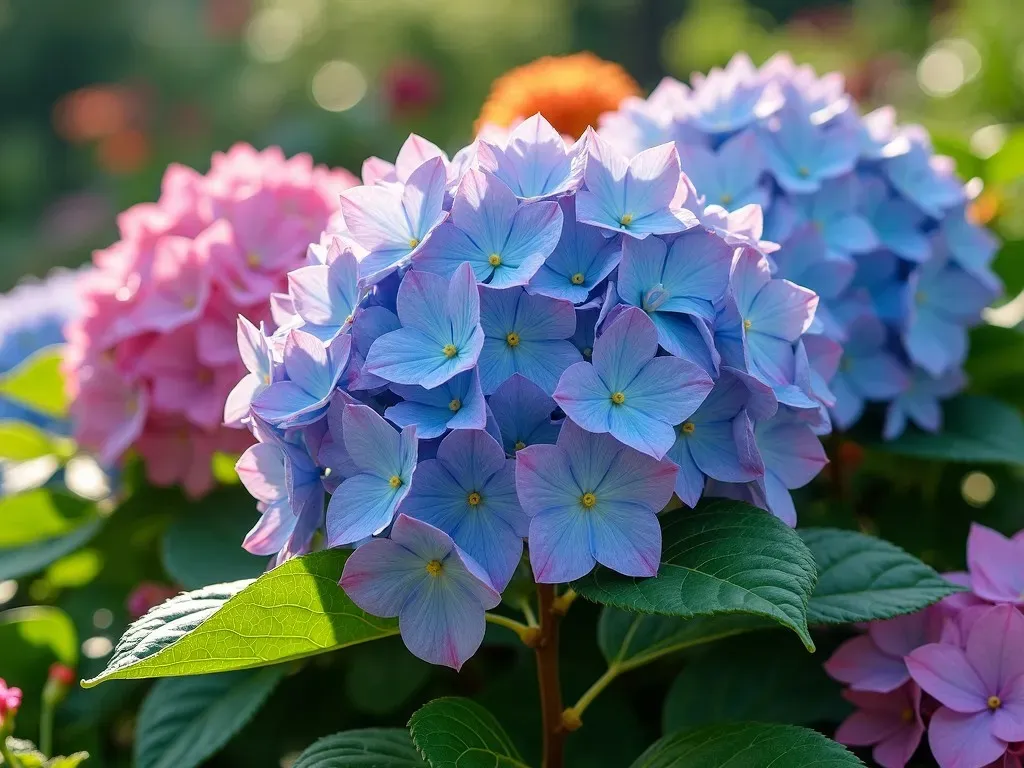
(547, 677)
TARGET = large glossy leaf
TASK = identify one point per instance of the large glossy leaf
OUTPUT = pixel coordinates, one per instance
(750, 745)
(767, 677)
(725, 557)
(630, 640)
(975, 429)
(38, 383)
(364, 748)
(293, 611)
(861, 578)
(459, 733)
(185, 720)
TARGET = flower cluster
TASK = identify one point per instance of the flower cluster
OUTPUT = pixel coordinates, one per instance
(866, 216)
(152, 357)
(10, 700)
(530, 341)
(955, 669)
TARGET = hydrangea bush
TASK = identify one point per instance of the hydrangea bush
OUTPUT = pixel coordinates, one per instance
(866, 214)
(536, 411)
(152, 357)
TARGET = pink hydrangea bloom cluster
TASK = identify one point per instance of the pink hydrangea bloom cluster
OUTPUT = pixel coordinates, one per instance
(10, 700)
(954, 670)
(153, 357)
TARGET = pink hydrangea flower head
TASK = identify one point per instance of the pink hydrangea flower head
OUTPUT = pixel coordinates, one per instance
(890, 722)
(153, 356)
(10, 700)
(980, 688)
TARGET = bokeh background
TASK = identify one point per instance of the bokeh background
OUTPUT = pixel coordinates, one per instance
(97, 97)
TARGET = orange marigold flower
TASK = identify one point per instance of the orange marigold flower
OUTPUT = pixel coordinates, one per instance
(571, 92)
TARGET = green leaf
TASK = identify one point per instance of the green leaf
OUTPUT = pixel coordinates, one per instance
(382, 676)
(725, 557)
(750, 745)
(40, 514)
(767, 677)
(16, 562)
(629, 640)
(459, 733)
(39, 629)
(75, 570)
(975, 429)
(364, 748)
(70, 761)
(21, 441)
(38, 383)
(293, 611)
(185, 720)
(204, 545)
(1007, 165)
(862, 578)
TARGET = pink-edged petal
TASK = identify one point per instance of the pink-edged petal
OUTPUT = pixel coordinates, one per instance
(560, 543)
(995, 646)
(262, 471)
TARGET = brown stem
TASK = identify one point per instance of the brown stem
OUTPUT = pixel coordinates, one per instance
(547, 676)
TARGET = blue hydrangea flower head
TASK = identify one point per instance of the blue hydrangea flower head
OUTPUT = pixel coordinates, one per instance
(592, 500)
(868, 371)
(437, 591)
(542, 367)
(919, 402)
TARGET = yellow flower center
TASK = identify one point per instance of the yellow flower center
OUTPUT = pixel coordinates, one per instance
(413, 242)
(512, 339)
(588, 352)
(266, 378)
(588, 500)
(994, 702)
(578, 278)
(395, 481)
(746, 325)
(618, 398)
(726, 198)
(434, 568)
(494, 260)
(473, 499)
(626, 220)
(189, 302)
(803, 171)
(907, 715)
(520, 445)
(455, 405)
(688, 427)
(450, 351)
(253, 259)
(920, 297)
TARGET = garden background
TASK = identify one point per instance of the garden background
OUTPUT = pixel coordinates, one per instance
(98, 97)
